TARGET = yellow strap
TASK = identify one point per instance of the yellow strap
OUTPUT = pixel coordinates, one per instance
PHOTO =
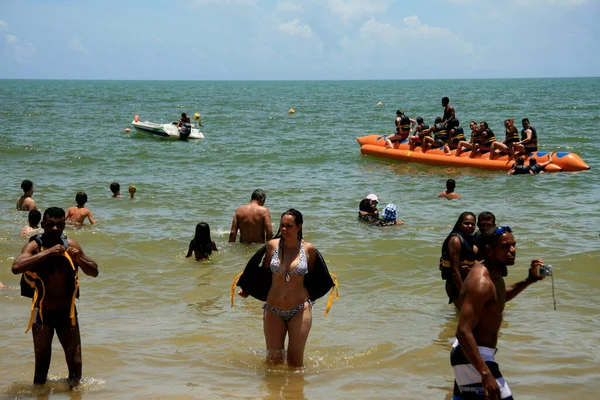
(72, 312)
(333, 289)
(233, 285)
(36, 293)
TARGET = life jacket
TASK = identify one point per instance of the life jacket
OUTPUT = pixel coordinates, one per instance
(256, 280)
(440, 130)
(476, 136)
(459, 134)
(512, 134)
(404, 123)
(490, 138)
(32, 285)
(534, 139)
(467, 254)
(521, 169)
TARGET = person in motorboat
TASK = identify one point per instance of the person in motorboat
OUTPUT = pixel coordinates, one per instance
(184, 126)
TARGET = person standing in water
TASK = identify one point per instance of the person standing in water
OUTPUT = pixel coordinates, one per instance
(26, 202)
(253, 220)
(202, 245)
(49, 264)
(76, 215)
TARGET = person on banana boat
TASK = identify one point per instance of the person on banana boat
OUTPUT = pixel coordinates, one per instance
(487, 138)
(475, 139)
(440, 135)
(417, 138)
(511, 137)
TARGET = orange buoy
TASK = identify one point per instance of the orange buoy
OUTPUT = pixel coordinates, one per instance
(292, 111)
(127, 130)
(136, 118)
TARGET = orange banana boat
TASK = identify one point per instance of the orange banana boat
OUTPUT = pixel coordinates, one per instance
(374, 145)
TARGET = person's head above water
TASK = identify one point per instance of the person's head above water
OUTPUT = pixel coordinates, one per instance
(115, 187)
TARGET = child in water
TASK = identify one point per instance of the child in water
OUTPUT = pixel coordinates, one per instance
(202, 245)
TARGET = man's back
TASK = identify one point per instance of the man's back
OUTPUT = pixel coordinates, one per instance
(26, 203)
(253, 222)
(77, 215)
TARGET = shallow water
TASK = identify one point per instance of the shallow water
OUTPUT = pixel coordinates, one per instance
(157, 325)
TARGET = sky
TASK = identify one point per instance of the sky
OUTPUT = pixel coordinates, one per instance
(298, 40)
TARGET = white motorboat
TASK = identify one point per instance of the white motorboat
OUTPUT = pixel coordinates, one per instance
(166, 130)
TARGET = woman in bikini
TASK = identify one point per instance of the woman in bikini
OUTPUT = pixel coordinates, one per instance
(288, 309)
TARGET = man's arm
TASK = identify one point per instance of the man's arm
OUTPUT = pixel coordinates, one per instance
(529, 133)
(513, 290)
(234, 229)
(88, 266)
(477, 294)
(30, 257)
(92, 220)
(268, 226)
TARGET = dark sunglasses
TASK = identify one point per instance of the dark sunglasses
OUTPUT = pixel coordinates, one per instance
(501, 230)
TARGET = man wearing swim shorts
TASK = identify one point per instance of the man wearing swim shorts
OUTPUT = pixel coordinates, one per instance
(483, 295)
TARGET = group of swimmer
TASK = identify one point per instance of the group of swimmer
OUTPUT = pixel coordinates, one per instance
(447, 134)
(288, 274)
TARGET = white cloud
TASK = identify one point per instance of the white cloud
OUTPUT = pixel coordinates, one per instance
(294, 28)
(3, 26)
(75, 45)
(288, 6)
(11, 39)
(355, 9)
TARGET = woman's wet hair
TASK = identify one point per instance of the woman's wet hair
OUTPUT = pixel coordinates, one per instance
(298, 219)
(202, 241)
(460, 220)
(366, 206)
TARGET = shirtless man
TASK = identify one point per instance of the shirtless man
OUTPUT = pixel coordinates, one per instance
(184, 120)
(25, 202)
(51, 261)
(76, 215)
(483, 296)
(449, 192)
(33, 219)
(449, 119)
(253, 220)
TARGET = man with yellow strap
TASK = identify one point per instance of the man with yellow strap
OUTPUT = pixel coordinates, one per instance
(49, 264)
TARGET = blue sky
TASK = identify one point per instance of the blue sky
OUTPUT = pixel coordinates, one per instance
(303, 39)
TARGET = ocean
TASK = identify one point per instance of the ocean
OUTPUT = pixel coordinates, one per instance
(157, 325)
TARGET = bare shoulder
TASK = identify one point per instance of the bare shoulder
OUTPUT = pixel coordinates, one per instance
(309, 248)
(73, 243)
(479, 280)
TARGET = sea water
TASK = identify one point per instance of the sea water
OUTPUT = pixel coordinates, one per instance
(157, 325)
